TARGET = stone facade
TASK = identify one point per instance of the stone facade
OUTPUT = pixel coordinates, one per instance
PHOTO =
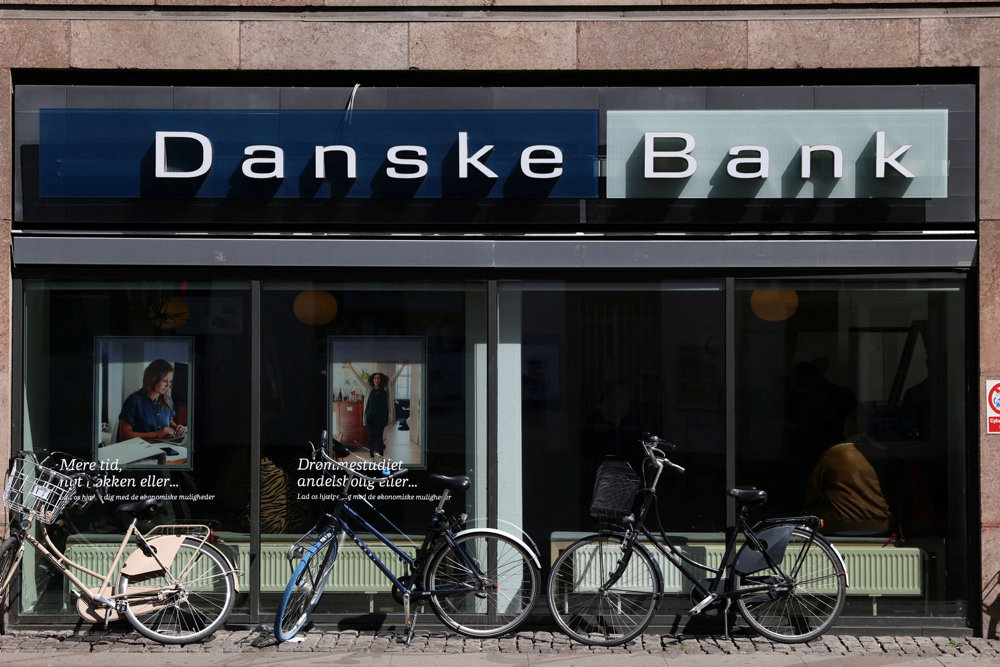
(479, 35)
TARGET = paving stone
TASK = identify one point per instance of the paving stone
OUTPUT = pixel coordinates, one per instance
(257, 645)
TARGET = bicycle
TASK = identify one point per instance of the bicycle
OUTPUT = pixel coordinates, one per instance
(788, 581)
(480, 582)
(174, 588)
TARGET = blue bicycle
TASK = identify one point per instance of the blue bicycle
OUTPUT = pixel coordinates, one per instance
(481, 582)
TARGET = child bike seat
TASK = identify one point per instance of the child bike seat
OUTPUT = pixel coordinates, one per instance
(749, 496)
(455, 483)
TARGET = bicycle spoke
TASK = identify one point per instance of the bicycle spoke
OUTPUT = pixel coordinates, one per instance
(589, 608)
(187, 608)
(802, 603)
(484, 586)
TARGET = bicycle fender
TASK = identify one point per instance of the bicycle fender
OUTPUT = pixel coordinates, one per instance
(775, 540)
(843, 565)
(500, 533)
(138, 566)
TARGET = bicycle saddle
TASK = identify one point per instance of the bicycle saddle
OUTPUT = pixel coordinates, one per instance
(749, 496)
(455, 483)
(141, 508)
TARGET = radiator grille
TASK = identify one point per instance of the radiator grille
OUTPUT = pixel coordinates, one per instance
(871, 570)
(876, 571)
(353, 572)
(96, 557)
(99, 558)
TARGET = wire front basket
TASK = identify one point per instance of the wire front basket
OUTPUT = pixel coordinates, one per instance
(614, 491)
(33, 489)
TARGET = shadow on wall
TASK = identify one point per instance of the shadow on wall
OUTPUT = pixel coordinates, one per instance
(991, 606)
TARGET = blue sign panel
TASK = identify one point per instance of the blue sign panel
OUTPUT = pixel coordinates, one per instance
(318, 154)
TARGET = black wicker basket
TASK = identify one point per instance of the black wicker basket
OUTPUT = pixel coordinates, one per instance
(614, 492)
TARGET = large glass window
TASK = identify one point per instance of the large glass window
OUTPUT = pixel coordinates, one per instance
(601, 363)
(94, 354)
(329, 351)
(834, 381)
(851, 405)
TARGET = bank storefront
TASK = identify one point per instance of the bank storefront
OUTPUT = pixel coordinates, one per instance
(542, 274)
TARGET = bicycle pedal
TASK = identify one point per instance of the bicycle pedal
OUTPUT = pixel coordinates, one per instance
(698, 608)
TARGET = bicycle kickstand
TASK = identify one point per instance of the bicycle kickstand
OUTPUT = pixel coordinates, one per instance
(411, 619)
(725, 619)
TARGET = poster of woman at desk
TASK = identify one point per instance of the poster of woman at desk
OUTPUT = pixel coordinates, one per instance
(143, 390)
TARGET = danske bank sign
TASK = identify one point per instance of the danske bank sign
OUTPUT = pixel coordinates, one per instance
(492, 154)
(843, 154)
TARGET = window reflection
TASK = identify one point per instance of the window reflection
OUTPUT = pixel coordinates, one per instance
(851, 406)
(601, 364)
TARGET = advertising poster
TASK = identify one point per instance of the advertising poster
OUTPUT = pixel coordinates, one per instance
(377, 396)
(143, 413)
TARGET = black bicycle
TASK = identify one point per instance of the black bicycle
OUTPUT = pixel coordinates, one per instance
(481, 582)
(786, 579)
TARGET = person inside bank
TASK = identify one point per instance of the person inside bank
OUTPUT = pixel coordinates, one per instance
(149, 412)
(845, 491)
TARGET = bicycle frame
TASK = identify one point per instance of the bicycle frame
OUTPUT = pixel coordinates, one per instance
(344, 518)
(714, 591)
(445, 534)
(101, 603)
(678, 559)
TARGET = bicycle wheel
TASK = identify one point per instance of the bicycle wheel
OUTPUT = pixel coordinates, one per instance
(188, 609)
(8, 554)
(304, 589)
(590, 610)
(509, 577)
(812, 591)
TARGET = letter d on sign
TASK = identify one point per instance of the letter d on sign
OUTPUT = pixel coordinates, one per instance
(161, 155)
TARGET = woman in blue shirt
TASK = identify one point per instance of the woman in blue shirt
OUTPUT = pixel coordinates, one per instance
(148, 412)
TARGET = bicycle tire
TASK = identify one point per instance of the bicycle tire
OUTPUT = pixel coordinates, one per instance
(304, 589)
(201, 605)
(816, 597)
(586, 608)
(509, 572)
(8, 554)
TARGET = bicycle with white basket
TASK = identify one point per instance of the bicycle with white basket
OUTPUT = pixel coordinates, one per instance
(174, 587)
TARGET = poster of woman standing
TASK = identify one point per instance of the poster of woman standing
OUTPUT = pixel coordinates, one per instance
(376, 397)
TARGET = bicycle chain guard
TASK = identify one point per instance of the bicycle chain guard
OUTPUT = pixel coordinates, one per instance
(138, 566)
(94, 614)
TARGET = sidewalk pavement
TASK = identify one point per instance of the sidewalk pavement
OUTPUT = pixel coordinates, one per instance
(245, 647)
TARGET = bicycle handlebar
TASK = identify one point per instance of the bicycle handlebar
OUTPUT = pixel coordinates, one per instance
(321, 453)
(654, 446)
